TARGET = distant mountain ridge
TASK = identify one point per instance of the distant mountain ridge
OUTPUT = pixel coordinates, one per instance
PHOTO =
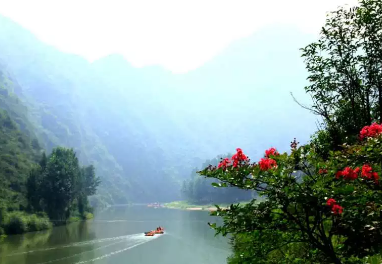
(145, 129)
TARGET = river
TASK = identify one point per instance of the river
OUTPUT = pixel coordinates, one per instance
(115, 236)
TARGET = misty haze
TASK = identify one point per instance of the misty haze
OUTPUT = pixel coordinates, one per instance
(134, 132)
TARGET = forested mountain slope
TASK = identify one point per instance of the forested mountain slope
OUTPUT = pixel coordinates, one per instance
(145, 129)
(19, 148)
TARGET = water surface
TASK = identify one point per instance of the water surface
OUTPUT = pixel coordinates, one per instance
(116, 236)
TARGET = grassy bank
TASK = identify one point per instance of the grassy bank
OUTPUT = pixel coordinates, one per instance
(86, 216)
(184, 205)
(21, 222)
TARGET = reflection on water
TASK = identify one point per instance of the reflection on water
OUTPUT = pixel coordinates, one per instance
(116, 236)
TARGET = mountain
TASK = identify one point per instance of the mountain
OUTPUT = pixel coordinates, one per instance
(19, 148)
(145, 129)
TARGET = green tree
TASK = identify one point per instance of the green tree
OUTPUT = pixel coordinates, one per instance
(88, 186)
(89, 181)
(345, 74)
(60, 184)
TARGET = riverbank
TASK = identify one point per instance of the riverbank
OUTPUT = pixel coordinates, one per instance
(184, 205)
(18, 222)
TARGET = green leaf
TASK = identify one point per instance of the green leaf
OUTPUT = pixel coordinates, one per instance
(215, 184)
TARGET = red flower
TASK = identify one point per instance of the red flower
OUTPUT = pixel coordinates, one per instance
(348, 173)
(224, 163)
(370, 131)
(337, 209)
(367, 171)
(271, 151)
(331, 202)
(238, 157)
(266, 164)
(322, 171)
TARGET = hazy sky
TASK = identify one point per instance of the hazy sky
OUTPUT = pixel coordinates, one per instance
(180, 35)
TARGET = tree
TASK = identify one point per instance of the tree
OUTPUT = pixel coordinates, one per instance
(88, 186)
(327, 213)
(60, 184)
(33, 186)
(89, 181)
(345, 73)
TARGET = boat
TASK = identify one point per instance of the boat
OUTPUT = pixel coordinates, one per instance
(149, 233)
(155, 232)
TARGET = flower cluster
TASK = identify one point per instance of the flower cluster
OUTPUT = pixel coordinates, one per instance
(336, 208)
(322, 171)
(348, 173)
(271, 151)
(235, 160)
(366, 172)
(370, 131)
(224, 163)
(267, 163)
(238, 157)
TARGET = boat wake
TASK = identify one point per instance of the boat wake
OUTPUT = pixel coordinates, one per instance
(132, 241)
(83, 243)
(81, 253)
(140, 241)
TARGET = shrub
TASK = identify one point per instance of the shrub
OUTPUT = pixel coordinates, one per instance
(73, 219)
(36, 223)
(15, 223)
(88, 216)
(20, 222)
